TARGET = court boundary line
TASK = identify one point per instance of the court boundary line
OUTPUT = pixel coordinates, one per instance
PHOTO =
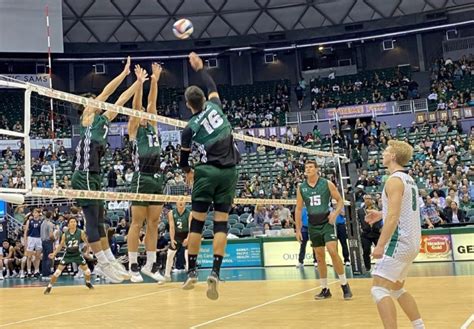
(468, 322)
(257, 306)
(86, 307)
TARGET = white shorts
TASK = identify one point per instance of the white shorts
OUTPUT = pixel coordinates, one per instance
(391, 269)
(34, 244)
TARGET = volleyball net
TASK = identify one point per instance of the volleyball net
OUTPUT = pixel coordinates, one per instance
(57, 107)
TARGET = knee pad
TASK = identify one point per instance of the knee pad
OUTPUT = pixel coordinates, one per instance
(379, 293)
(397, 293)
(220, 227)
(196, 226)
(198, 206)
(57, 273)
(222, 207)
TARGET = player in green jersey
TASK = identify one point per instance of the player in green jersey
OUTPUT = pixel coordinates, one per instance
(89, 152)
(316, 193)
(71, 239)
(214, 177)
(147, 178)
(179, 220)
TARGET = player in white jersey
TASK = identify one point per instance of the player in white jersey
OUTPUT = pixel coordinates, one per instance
(399, 240)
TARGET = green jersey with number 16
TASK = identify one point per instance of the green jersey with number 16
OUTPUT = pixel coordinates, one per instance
(212, 136)
(91, 147)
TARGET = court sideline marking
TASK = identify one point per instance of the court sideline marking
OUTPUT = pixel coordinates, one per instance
(258, 306)
(86, 307)
(467, 324)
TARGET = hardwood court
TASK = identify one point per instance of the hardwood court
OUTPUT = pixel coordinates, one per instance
(445, 302)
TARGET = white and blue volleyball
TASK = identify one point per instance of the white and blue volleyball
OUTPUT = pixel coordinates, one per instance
(183, 28)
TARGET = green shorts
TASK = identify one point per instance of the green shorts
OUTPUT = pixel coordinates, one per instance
(147, 184)
(212, 184)
(179, 238)
(321, 234)
(69, 259)
(83, 180)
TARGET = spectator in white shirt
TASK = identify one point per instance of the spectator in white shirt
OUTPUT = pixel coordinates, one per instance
(46, 168)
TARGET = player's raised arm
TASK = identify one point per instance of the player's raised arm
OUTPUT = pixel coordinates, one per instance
(142, 76)
(153, 93)
(198, 66)
(108, 90)
(133, 122)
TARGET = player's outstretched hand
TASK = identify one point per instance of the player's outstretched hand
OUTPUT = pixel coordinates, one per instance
(156, 70)
(373, 216)
(126, 69)
(195, 61)
(141, 74)
(377, 253)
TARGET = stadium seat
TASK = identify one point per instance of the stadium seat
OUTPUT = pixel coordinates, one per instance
(234, 231)
(207, 234)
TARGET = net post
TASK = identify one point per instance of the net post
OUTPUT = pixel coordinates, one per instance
(26, 139)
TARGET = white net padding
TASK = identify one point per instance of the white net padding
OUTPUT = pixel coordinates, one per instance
(83, 194)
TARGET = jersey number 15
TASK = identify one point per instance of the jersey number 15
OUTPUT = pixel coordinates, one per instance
(315, 200)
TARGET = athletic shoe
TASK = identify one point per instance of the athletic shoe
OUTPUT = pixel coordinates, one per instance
(89, 285)
(300, 265)
(324, 294)
(346, 290)
(153, 272)
(347, 263)
(22, 275)
(212, 283)
(47, 290)
(120, 270)
(315, 265)
(190, 280)
(1, 276)
(109, 272)
(165, 279)
(136, 277)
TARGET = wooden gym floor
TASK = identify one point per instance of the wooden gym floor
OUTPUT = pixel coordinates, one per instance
(257, 298)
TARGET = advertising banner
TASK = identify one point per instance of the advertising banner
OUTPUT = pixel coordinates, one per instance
(36, 144)
(357, 110)
(285, 253)
(435, 248)
(37, 79)
(463, 246)
(236, 255)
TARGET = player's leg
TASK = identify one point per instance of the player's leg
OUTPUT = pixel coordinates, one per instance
(87, 274)
(302, 252)
(331, 247)
(138, 218)
(38, 256)
(408, 304)
(170, 259)
(1, 269)
(23, 263)
(29, 255)
(151, 238)
(381, 288)
(10, 265)
(55, 277)
(366, 250)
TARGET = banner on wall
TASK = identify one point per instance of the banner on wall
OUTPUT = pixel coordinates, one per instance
(357, 110)
(236, 255)
(173, 136)
(463, 246)
(435, 248)
(36, 79)
(285, 253)
(36, 144)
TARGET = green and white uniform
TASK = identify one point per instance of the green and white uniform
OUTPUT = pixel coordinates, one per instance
(89, 151)
(146, 152)
(404, 244)
(73, 252)
(181, 226)
(317, 200)
(215, 175)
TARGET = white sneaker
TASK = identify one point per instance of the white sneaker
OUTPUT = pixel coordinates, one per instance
(22, 275)
(135, 277)
(120, 270)
(153, 272)
(109, 272)
(1, 276)
(315, 265)
(347, 263)
(299, 265)
(166, 279)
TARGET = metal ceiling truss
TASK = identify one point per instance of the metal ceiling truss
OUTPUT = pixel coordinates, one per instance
(111, 21)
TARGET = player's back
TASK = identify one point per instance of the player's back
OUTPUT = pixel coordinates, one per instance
(92, 145)
(212, 134)
(146, 150)
(405, 242)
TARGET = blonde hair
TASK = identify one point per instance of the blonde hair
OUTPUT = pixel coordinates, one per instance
(402, 150)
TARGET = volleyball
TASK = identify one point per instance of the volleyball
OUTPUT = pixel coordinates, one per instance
(183, 28)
